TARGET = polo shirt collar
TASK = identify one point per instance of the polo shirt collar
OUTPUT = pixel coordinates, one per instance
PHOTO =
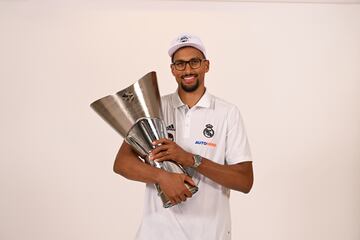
(177, 100)
(205, 100)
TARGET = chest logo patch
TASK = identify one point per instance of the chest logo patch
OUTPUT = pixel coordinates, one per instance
(208, 131)
(171, 127)
(170, 131)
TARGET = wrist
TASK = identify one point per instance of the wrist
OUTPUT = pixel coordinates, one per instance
(197, 161)
(160, 176)
(190, 160)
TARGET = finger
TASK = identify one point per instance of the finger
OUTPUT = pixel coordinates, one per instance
(178, 199)
(164, 158)
(155, 156)
(161, 141)
(159, 155)
(189, 180)
(158, 149)
(188, 194)
(173, 201)
(183, 197)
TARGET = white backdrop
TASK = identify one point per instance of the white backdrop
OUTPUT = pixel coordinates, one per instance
(293, 70)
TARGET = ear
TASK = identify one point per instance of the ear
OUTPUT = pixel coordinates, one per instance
(207, 65)
(172, 69)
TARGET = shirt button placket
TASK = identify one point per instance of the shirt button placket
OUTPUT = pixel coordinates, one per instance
(187, 124)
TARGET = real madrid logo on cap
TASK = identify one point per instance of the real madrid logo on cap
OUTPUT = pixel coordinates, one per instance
(184, 39)
(208, 131)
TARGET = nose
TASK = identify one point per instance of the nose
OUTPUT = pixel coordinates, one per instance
(187, 69)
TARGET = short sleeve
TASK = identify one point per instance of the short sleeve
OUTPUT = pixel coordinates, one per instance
(237, 145)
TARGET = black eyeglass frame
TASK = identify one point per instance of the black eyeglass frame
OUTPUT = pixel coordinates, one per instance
(188, 62)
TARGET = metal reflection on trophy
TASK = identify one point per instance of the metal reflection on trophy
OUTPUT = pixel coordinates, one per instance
(135, 113)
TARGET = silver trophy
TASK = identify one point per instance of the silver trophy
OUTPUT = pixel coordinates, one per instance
(135, 113)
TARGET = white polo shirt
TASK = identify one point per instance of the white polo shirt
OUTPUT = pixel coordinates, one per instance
(212, 129)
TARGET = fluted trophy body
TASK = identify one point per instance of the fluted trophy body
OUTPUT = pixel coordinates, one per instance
(135, 113)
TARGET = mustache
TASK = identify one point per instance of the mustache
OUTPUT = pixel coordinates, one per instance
(188, 75)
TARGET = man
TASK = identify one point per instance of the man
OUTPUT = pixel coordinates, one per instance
(206, 135)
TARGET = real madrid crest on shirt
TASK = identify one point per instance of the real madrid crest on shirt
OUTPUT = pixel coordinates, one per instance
(209, 131)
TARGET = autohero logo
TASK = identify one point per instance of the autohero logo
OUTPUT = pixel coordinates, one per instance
(209, 144)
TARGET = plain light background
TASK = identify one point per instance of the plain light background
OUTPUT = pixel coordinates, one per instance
(292, 69)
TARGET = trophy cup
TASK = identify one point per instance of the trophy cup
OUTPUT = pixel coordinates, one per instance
(135, 113)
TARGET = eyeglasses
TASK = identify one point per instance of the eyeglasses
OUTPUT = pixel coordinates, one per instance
(194, 63)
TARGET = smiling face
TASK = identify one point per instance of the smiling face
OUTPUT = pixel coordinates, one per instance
(189, 79)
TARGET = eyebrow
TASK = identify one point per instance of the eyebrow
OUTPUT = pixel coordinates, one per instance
(201, 57)
(182, 60)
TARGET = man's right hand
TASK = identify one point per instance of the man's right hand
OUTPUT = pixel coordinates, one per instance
(173, 185)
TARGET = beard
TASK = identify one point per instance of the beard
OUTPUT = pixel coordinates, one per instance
(190, 88)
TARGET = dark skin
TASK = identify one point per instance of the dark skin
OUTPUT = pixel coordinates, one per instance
(238, 177)
(131, 167)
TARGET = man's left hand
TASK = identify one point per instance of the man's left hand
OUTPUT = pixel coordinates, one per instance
(169, 150)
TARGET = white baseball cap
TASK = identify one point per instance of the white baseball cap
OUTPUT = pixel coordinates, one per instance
(186, 40)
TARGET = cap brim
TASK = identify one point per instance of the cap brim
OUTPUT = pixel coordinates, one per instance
(173, 49)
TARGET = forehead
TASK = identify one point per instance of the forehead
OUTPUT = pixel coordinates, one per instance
(187, 53)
